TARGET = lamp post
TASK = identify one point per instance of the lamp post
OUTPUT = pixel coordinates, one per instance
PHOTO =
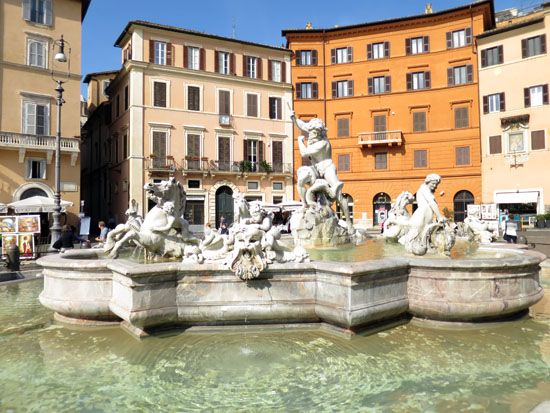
(60, 57)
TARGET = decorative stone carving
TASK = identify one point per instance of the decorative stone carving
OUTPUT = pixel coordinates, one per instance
(478, 230)
(123, 233)
(422, 234)
(397, 222)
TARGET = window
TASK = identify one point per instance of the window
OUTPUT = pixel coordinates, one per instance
(251, 67)
(461, 118)
(275, 108)
(494, 103)
(417, 45)
(420, 158)
(36, 169)
(536, 95)
(193, 183)
(492, 56)
(342, 88)
(126, 98)
(418, 80)
(306, 58)
(106, 84)
(381, 160)
(275, 71)
(193, 98)
(379, 84)
(341, 55)
(253, 152)
(194, 212)
(278, 186)
(495, 144)
(252, 105)
(37, 53)
(461, 200)
(277, 199)
(277, 156)
(224, 153)
(224, 64)
(419, 121)
(378, 50)
(306, 90)
(224, 102)
(253, 185)
(159, 94)
(193, 58)
(193, 151)
(380, 126)
(533, 46)
(462, 155)
(38, 11)
(159, 151)
(159, 53)
(537, 140)
(344, 163)
(516, 142)
(36, 118)
(459, 75)
(343, 127)
(459, 38)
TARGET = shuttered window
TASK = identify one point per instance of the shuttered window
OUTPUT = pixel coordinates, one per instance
(379, 50)
(193, 58)
(417, 45)
(277, 156)
(343, 127)
(224, 153)
(462, 155)
(36, 118)
(533, 46)
(193, 98)
(419, 121)
(536, 95)
(159, 94)
(344, 163)
(495, 144)
(460, 75)
(381, 160)
(461, 118)
(275, 108)
(159, 149)
(537, 140)
(418, 80)
(341, 55)
(459, 38)
(252, 105)
(492, 56)
(306, 90)
(222, 62)
(193, 151)
(420, 158)
(37, 53)
(342, 88)
(38, 11)
(306, 58)
(224, 102)
(379, 84)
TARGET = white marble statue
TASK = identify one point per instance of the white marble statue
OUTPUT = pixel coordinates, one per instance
(478, 230)
(124, 233)
(423, 234)
(397, 222)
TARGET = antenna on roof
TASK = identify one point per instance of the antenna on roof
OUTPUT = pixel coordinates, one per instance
(234, 26)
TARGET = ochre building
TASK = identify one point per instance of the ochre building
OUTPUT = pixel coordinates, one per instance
(400, 100)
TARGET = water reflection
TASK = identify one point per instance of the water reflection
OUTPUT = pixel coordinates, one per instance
(46, 367)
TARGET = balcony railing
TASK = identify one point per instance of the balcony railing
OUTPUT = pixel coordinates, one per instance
(161, 164)
(390, 137)
(36, 142)
(237, 167)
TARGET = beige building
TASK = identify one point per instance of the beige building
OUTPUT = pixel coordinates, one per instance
(210, 111)
(514, 72)
(28, 109)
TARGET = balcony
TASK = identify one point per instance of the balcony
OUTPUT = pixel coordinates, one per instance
(22, 143)
(161, 164)
(389, 138)
(206, 166)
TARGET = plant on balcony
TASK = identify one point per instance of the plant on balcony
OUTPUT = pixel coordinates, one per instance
(265, 166)
(245, 166)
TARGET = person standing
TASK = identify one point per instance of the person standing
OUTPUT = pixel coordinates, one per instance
(510, 228)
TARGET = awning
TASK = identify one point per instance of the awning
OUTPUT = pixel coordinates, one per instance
(37, 204)
(517, 197)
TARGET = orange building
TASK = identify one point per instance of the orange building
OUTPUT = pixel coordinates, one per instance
(400, 100)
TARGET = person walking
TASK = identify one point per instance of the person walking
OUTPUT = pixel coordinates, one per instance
(510, 228)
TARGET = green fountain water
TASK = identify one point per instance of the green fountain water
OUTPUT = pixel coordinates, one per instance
(409, 368)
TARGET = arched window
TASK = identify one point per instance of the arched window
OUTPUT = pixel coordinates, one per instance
(461, 201)
(381, 204)
(28, 193)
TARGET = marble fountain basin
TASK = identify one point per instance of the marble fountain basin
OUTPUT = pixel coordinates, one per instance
(83, 287)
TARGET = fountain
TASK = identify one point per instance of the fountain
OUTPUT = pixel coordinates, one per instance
(250, 276)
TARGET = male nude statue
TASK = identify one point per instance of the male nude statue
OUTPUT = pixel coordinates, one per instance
(322, 169)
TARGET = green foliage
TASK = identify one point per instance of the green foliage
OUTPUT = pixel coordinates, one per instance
(265, 166)
(245, 166)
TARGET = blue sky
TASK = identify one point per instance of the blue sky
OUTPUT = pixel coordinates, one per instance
(257, 21)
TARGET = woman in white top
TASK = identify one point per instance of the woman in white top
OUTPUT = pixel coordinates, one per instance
(510, 230)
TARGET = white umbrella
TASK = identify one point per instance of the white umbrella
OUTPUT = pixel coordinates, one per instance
(37, 204)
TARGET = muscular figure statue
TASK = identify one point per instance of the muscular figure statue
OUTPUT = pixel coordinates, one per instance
(322, 169)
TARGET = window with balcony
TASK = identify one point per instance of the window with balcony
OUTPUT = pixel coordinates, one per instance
(342, 88)
(159, 94)
(275, 108)
(419, 121)
(223, 63)
(159, 149)
(535, 95)
(252, 109)
(306, 58)
(533, 46)
(253, 153)
(193, 151)
(380, 127)
(224, 153)
(378, 50)
(344, 164)
(193, 98)
(343, 127)
(381, 160)
(224, 102)
(494, 103)
(277, 156)
(417, 45)
(307, 90)
(459, 38)
(379, 84)
(462, 155)
(462, 119)
(341, 55)
(495, 144)
(36, 169)
(418, 80)
(492, 56)
(36, 118)
(420, 158)
(459, 75)
(38, 11)
(37, 53)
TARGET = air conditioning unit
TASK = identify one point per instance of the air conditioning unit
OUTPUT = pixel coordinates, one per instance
(225, 120)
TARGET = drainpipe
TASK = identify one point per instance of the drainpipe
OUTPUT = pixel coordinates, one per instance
(324, 81)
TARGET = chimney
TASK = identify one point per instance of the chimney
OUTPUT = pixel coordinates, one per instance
(428, 9)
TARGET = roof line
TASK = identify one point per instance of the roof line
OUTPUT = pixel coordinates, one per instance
(190, 32)
(510, 27)
(89, 76)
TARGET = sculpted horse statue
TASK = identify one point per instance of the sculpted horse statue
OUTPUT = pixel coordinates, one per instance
(398, 217)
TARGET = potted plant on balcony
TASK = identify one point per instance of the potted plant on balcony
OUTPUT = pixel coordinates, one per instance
(245, 166)
(265, 166)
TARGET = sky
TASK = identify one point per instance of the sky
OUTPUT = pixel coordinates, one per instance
(258, 21)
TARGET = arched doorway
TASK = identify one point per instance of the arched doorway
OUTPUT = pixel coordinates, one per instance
(381, 205)
(349, 198)
(461, 201)
(29, 193)
(224, 205)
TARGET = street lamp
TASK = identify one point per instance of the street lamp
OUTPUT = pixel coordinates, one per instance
(60, 57)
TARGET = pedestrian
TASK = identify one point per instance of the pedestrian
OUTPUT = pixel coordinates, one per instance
(66, 241)
(509, 228)
(103, 231)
